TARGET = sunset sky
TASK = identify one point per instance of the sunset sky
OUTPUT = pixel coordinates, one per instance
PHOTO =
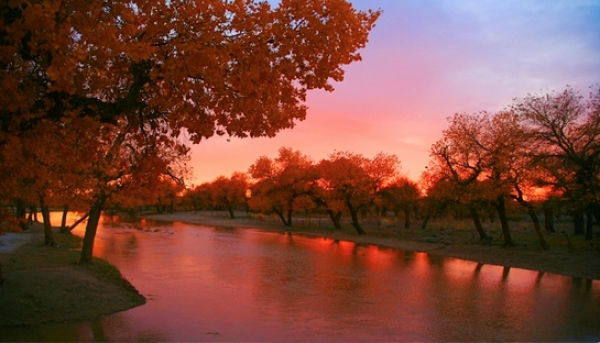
(426, 60)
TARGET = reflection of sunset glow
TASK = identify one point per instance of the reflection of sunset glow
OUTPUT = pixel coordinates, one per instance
(256, 285)
(421, 263)
(379, 258)
(346, 248)
(458, 271)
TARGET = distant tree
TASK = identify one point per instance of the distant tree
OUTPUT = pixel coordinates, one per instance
(325, 197)
(200, 197)
(511, 166)
(565, 130)
(402, 195)
(165, 194)
(356, 181)
(281, 184)
(456, 170)
(230, 193)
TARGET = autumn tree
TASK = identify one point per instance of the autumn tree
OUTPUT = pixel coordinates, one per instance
(281, 184)
(324, 197)
(486, 158)
(456, 169)
(357, 181)
(48, 160)
(565, 128)
(200, 196)
(512, 171)
(402, 196)
(230, 192)
(150, 71)
(165, 195)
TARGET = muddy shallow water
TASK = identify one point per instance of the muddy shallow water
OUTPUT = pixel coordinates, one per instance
(216, 284)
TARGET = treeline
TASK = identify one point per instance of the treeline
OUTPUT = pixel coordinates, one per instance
(542, 154)
(345, 183)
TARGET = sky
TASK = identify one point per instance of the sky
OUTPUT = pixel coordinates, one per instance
(425, 61)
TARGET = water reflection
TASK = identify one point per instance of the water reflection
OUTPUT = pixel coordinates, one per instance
(222, 284)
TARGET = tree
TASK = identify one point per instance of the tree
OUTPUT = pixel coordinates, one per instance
(455, 173)
(324, 197)
(166, 194)
(402, 195)
(200, 196)
(512, 169)
(148, 72)
(230, 193)
(243, 68)
(565, 128)
(357, 181)
(282, 185)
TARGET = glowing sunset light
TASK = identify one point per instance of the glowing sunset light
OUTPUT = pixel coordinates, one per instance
(425, 61)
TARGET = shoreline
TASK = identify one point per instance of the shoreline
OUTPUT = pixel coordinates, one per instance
(44, 284)
(581, 263)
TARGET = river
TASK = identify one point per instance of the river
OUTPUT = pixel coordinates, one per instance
(219, 284)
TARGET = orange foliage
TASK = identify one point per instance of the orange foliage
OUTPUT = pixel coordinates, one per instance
(143, 74)
(230, 193)
(282, 184)
(355, 181)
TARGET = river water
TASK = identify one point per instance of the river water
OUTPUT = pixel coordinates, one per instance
(218, 284)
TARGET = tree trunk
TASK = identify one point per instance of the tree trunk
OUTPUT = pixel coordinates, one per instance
(280, 214)
(549, 220)
(355, 220)
(231, 212)
(425, 221)
(48, 237)
(596, 212)
(589, 228)
(477, 222)
(90, 232)
(335, 218)
(70, 228)
(538, 230)
(33, 210)
(407, 216)
(501, 209)
(578, 223)
(63, 223)
(289, 216)
(30, 216)
(536, 222)
(21, 214)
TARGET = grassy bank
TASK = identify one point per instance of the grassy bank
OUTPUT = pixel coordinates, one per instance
(45, 284)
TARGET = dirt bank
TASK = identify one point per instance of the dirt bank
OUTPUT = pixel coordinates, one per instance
(573, 257)
(45, 284)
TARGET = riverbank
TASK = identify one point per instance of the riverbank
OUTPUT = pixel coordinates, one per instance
(45, 284)
(569, 257)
